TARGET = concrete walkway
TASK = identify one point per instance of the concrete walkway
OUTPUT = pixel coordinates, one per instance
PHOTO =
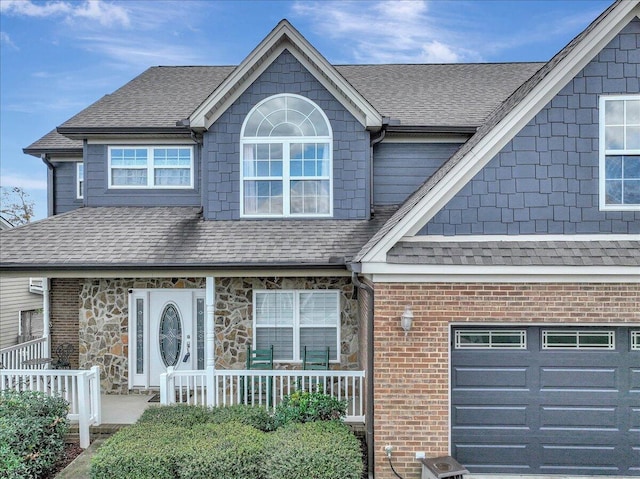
(117, 411)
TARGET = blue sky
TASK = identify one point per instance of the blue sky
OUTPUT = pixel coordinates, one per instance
(58, 57)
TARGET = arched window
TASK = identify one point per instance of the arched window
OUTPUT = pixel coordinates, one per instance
(286, 159)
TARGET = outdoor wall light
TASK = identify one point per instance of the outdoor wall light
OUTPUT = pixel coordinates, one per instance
(406, 320)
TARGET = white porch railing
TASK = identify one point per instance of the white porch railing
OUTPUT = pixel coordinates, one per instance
(81, 388)
(14, 357)
(226, 387)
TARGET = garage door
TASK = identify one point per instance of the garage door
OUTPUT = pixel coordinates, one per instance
(540, 400)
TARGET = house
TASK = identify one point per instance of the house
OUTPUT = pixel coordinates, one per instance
(20, 306)
(468, 235)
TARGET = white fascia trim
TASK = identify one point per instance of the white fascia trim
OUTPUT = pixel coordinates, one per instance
(416, 273)
(142, 141)
(506, 129)
(426, 138)
(269, 49)
(520, 238)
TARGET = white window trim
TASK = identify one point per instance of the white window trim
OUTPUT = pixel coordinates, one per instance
(286, 178)
(150, 168)
(603, 152)
(297, 358)
(522, 333)
(80, 180)
(635, 340)
(577, 334)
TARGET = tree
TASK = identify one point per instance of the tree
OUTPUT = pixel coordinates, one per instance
(16, 206)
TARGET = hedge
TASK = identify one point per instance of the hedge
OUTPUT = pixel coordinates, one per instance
(158, 451)
(304, 406)
(313, 450)
(32, 431)
(187, 416)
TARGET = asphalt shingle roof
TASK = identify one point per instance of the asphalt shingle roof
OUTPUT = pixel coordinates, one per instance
(518, 253)
(452, 94)
(112, 237)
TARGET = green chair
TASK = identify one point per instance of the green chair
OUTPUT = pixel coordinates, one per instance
(258, 359)
(315, 360)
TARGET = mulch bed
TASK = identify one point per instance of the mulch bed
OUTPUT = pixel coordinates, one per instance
(70, 452)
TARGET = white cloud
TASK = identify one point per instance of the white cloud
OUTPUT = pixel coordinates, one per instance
(5, 39)
(106, 14)
(22, 181)
(389, 31)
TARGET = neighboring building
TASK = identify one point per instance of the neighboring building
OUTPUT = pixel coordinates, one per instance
(20, 306)
(294, 202)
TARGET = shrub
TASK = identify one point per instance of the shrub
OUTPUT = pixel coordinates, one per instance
(230, 451)
(32, 431)
(183, 415)
(315, 450)
(188, 416)
(303, 406)
(151, 450)
(141, 451)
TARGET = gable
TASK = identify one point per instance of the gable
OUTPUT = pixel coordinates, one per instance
(499, 129)
(222, 143)
(284, 37)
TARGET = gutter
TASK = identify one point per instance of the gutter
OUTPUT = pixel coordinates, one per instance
(370, 338)
(51, 185)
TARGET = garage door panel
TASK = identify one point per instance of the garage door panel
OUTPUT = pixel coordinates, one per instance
(578, 418)
(501, 456)
(634, 374)
(579, 459)
(578, 379)
(489, 416)
(495, 378)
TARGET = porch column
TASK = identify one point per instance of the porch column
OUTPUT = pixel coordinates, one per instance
(46, 298)
(210, 322)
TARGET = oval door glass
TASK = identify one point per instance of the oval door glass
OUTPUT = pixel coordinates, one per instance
(170, 337)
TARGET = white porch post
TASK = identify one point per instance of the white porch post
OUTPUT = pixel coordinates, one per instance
(210, 322)
(210, 300)
(45, 317)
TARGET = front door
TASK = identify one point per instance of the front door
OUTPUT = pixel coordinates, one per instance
(166, 329)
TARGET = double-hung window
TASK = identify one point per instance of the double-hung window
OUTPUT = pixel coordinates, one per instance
(290, 320)
(151, 167)
(79, 180)
(286, 159)
(620, 152)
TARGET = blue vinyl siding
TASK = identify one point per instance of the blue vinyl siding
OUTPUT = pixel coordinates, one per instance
(65, 187)
(400, 168)
(97, 192)
(545, 181)
(221, 162)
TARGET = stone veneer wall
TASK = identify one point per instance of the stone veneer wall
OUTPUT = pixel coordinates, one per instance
(104, 309)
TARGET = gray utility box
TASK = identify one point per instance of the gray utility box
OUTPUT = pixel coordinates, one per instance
(441, 467)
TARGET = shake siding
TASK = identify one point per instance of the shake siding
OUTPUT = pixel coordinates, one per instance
(400, 168)
(412, 375)
(14, 297)
(545, 181)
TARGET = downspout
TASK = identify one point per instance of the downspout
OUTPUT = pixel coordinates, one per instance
(51, 194)
(370, 337)
(373, 142)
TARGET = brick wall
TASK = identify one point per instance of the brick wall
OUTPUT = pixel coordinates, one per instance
(412, 374)
(65, 304)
